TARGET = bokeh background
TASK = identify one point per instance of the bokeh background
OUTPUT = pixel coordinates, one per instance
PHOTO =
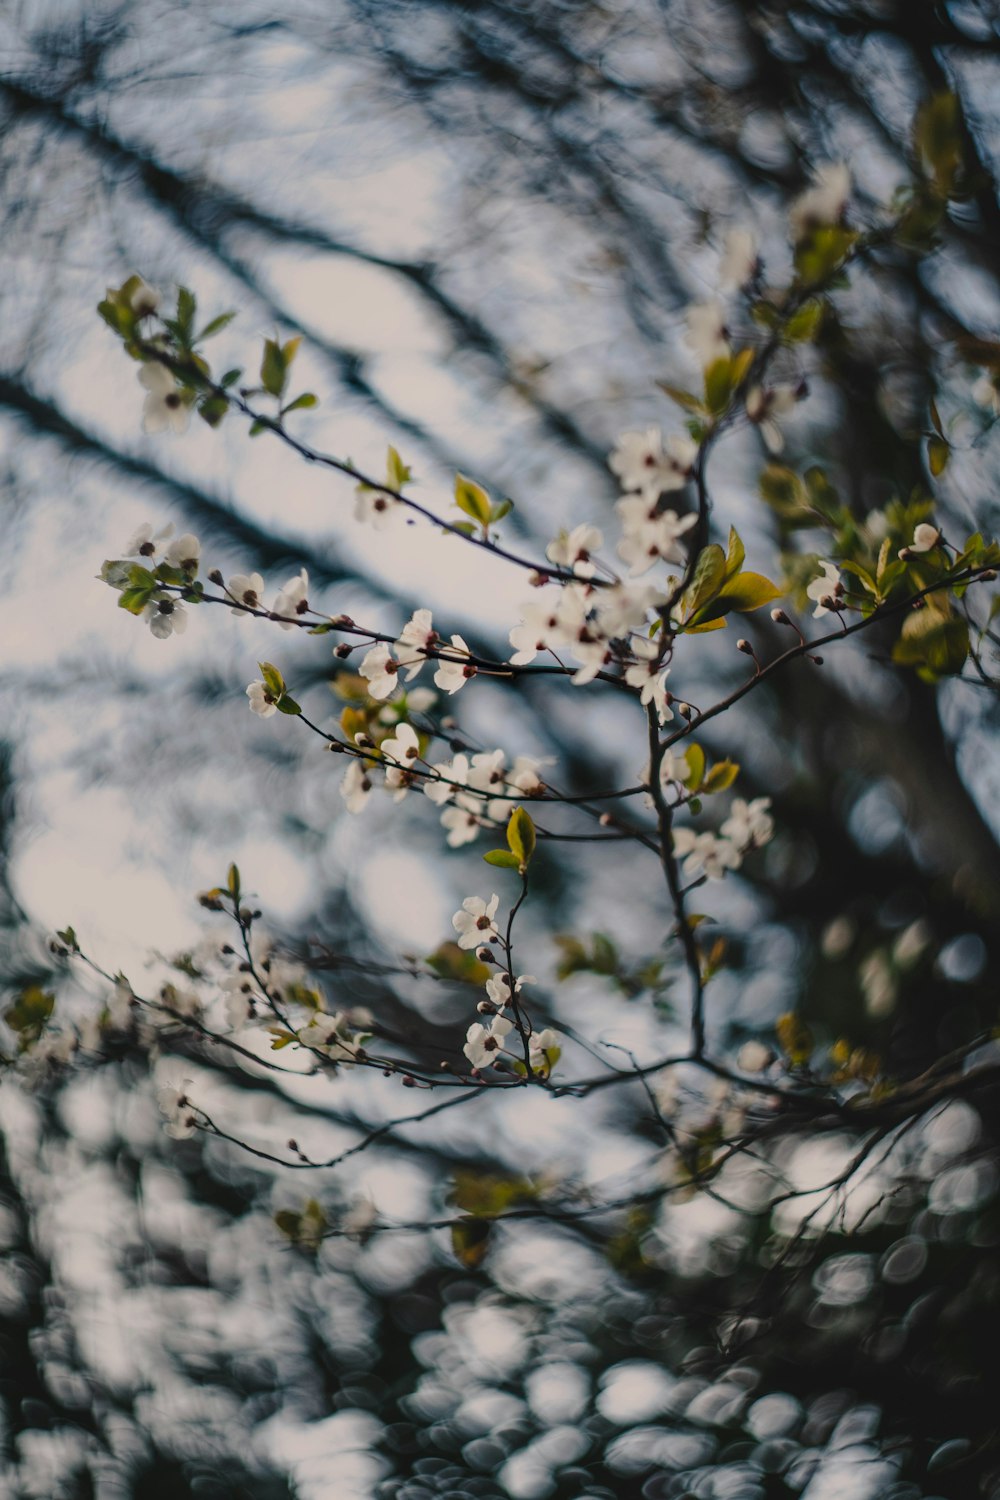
(486, 222)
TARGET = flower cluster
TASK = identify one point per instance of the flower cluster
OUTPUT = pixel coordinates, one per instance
(749, 826)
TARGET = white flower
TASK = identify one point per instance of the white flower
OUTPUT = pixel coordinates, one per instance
(706, 334)
(484, 1044)
(293, 599)
(648, 534)
(754, 1057)
(622, 608)
(146, 543)
(144, 300)
(924, 538)
(647, 673)
(739, 258)
(499, 991)
(165, 616)
(643, 462)
(404, 749)
(181, 1114)
(763, 405)
(705, 852)
(240, 1003)
(381, 669)
(540, 629)
(376, 508)
(164, 405)
(672, 768)
(462, 824)
(521, 781)
(749, 824)
(825, 588)
(262, 700)
(986, 393)
(184, 553)
(572, 549)
(593, 655)
(474, 923)
(824, 202)
(449, 775)
(248, 589)
(452, 675)
(356, 786)
(416, 636)
(540, 1045)
(420, 700)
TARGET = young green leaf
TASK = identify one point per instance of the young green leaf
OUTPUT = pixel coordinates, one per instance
(521, 837)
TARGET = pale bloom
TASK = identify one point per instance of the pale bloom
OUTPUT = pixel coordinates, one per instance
(180, 1113)
(356, 786)
(648, 534)
(749, 823)
(293, 598)
(572, 549)
(165, 616)
(248, 589)
(376, 508)
(499, 991)
(462, 825)
(647, 674)
(540, 1045)
(739, 259)
(144, 299)
(707, 336)
(824, 587)
(262, 700)
(184, 552)
(146, 543)
(164, 405)
(764, 405)
(381, 669)
(452, 675)
(474, 923)
(924, 538)
(416, 636)
(754, 1057)
(403, 749)
(986, 393)
(644, 462)
(705, 853)
(484, 1044)
(822, 204)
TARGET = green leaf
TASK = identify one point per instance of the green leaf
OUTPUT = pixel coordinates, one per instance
(273, 680)
(937, 137)
(396, 472)
(938, 454)
(134, 600)
(707, 579)
(695, 756)
(301, 403)
(273, 369)
(470, 1241)
(718, 385)
(721, 777)
(740, 595)
(213, 409)
(821, 251)
(521, 837)
(683, 398)
(501, 509)
(231, 377)
(934, 642)
(233, 882)
(735, 554)
(473, 500)
(288, 705)
(503, 858)
(28, 1013)
(461, 964)
(216, 325)
(186, 307)
(804, 324)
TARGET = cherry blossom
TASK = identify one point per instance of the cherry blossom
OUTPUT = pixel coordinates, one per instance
(452, 675)
(644, 462)
(749, 824)
(484, 1044)
(705, 853)
(165, 616)
(164, 406)
(181, 1114)
(739, 259)
(184, 552)
(572, 549)
(474, 923)
(706, 335)
(143, 299)
(146, 543)
(293, 599)
(648, 534)
(764, 404)
(404, 749)
(381, 669)
(262, 700)
(356, 786)
(462, 824)
(248, 589)
(823, 203)
(650, 676)
(925, 537)
(540, 1045)
(376, 508)
(417, 635)
(825, 590)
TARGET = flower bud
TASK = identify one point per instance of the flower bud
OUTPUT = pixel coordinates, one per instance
(779, 617)
(409, 1082)
(745, 647)
(215, 577)
(605, 820)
